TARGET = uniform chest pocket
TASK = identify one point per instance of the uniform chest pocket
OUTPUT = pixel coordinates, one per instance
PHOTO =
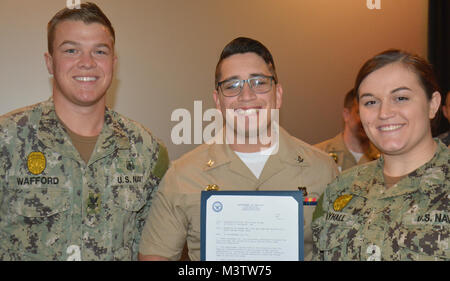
(423, 242)
(40, 201)
(129, 197)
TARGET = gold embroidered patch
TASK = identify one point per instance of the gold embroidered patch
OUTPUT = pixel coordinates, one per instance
(36, 162)
(341, 202)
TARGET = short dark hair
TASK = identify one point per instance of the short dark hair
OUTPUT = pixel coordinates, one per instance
(349, 99)
(87, 12)
(242, 45)
(418, 65)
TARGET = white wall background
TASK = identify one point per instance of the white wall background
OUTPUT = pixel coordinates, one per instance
(168, 50)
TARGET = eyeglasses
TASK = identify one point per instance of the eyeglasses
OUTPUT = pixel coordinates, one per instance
(259, 85)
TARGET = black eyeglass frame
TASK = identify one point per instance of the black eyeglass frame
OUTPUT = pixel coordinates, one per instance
(242, 83)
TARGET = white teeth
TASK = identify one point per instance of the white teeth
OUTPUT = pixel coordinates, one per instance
(390, 128)
(247, 111)
(85, 79)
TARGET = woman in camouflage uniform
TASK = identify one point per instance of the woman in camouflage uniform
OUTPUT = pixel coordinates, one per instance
(397, 207)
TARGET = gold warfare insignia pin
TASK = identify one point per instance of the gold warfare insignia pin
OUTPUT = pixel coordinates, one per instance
(341, 202)
(212, 187)
(334, 156)
(36, 162)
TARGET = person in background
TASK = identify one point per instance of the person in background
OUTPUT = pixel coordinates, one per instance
(395, 208)
(445, 137)
(246, 85)
(352, 146)
(76, 178)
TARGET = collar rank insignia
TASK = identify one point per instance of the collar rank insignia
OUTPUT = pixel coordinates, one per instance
(210, 163)
(212, 187)
(36, 162)
(130, 165)
(93, 203)
(334, 156)
(341, 202)
(303, 190)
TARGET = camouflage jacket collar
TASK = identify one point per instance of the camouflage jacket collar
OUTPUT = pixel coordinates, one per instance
(52, 134)
(428, 178)
(435, 172)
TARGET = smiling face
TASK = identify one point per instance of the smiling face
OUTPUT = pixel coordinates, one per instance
(82, 62)
(395, 111)
(247, 105)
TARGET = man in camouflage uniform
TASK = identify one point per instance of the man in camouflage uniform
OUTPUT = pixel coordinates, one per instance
(76, 178)
(359, 219)
(351, 146)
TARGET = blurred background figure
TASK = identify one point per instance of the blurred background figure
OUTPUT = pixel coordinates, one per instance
(395, 208)
(351, 146)
(445, 137)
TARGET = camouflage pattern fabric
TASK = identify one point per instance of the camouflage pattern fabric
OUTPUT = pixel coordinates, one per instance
(54, 206)
(445, 137)
(359, 219)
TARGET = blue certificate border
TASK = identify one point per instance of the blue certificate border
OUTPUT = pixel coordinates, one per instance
(297, 195)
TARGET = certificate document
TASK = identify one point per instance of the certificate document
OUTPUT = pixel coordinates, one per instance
(251, 225)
